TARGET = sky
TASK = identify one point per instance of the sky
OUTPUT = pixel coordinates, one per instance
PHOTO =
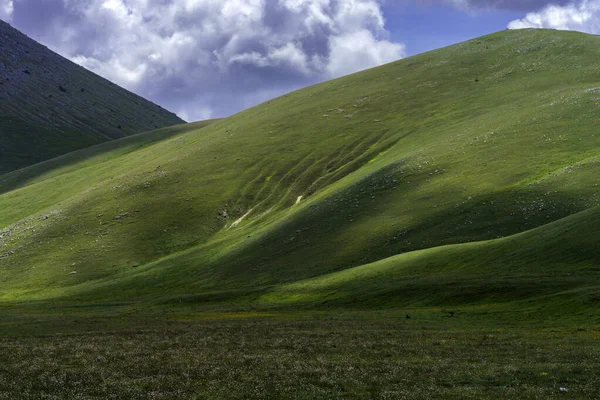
(211, 58)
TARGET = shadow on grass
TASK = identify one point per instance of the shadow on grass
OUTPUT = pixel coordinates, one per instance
(306, 245)
(540, 262)
(19, 178)
(24, 143)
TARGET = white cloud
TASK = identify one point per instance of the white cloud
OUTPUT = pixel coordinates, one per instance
(289, 55)
(114, 70)
(292, 55)
(582, 16)
(6, 10)
(360, 50)
(201, 114)
(218, 55)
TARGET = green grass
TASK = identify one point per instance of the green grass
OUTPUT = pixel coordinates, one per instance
(23, 144)
(458, 182)
(318, 356)
(430, 157)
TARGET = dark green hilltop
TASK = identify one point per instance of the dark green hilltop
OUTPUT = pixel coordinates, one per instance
(50, 106)
(463, 177)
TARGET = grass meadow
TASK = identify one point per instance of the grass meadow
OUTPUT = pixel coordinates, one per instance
(320, 355)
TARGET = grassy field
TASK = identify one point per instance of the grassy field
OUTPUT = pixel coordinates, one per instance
(183, 354)
(277, 252)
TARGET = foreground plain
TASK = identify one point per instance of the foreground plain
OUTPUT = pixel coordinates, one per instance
(183, 354)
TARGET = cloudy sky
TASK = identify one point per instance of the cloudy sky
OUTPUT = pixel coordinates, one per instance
(212, 58)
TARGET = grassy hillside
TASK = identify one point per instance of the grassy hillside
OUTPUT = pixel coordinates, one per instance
(426, 229)
(50, 106)
(460, 178)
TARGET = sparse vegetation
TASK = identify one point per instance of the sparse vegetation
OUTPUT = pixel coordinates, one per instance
(299, 356)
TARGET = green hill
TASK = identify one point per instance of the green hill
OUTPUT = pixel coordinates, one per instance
(50, 106)
(464, 177)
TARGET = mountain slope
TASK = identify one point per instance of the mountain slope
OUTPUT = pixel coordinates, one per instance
(50, 106)
(461, 146)
(537, 271)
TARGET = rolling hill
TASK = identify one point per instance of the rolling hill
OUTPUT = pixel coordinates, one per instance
(50, 106)
(464, 177)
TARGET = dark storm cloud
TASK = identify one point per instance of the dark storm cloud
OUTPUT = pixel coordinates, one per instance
(203, 58)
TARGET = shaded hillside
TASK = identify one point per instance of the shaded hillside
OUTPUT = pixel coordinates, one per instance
(50, 106)
(463, 176)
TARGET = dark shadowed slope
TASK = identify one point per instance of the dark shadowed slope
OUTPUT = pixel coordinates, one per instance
(50, 106)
